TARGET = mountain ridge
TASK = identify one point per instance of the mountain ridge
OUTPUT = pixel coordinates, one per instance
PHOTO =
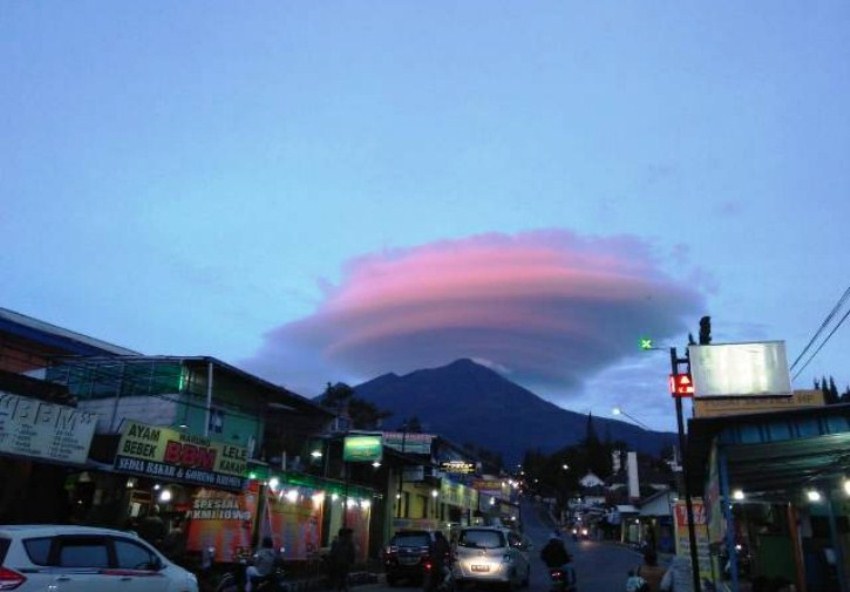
(469, 403)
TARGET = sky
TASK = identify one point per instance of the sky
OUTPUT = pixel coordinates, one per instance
(327, 192)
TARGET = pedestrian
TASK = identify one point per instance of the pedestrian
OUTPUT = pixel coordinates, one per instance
(650, 570)
(340, 559)
(679, 576)
(152, 528)
(174, 543)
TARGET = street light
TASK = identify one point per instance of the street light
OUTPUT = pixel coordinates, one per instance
(619, 411)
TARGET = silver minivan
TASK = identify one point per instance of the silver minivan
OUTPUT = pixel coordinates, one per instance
(491, 555)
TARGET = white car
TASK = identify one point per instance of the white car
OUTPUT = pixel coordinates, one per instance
(491, 555)
(64, 558)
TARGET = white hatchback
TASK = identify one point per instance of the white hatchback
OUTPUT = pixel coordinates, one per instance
(85, 559)
(491, 555)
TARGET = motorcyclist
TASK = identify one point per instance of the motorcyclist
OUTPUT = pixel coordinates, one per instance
(554, 554)
(263, 564)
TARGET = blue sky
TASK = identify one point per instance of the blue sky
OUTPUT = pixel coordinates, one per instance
(239, 181)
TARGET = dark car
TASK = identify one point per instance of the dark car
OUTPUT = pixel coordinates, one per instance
(406, 555)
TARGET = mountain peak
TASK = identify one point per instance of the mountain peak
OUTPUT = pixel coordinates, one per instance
(470, 403)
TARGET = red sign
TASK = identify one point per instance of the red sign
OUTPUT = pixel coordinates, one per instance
(681, 385)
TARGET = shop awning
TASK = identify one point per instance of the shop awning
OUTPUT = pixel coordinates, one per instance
(774, 455)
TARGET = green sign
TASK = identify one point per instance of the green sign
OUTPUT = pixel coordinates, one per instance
(646, 343)
(363, 448)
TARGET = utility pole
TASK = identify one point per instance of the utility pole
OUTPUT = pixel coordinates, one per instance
(675, 361)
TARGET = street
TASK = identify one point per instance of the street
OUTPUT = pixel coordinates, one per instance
(600, 566)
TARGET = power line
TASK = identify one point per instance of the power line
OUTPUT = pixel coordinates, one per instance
(820, 330)
(823, 343)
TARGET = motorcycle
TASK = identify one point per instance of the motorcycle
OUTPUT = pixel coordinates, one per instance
(562, 579)
(445, 580)
(235, 580)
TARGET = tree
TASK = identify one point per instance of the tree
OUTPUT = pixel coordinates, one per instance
(705, 330)
(363, 414)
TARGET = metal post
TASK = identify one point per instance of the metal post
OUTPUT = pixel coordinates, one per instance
(209, 398)
(689, 506)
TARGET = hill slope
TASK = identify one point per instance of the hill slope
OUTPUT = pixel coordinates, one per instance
(469, 403)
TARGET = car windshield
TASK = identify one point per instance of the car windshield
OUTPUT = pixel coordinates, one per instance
(412, 539)
(481, 539)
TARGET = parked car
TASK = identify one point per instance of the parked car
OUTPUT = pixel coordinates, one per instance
(64, 558)
(406, 555)
(491, 555)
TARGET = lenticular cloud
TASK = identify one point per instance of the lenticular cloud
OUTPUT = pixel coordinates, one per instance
(549, 308)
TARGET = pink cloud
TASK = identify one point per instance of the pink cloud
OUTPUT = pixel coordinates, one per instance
(552, 306)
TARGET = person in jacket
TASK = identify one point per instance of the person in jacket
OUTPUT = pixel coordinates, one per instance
(262, 565)
(554, 554)
(679, 576)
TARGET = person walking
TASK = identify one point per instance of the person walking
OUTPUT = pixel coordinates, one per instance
(340, 559)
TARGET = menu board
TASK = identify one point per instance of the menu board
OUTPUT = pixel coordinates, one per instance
(38, 429)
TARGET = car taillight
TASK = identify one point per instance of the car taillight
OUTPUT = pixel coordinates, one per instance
(9, 580)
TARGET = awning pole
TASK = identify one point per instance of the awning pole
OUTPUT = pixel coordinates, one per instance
(836, 544)
(725, 500)
(800, 568)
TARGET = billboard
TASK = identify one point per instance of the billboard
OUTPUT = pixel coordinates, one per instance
(740, 369)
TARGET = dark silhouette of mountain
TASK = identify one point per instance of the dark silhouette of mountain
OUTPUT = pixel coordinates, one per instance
(471, 404)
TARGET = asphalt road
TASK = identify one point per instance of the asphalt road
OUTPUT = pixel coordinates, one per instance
(600, 566)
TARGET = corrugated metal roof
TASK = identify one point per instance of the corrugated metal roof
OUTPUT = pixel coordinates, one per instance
(10, 319)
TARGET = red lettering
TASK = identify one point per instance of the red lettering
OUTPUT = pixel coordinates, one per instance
(172, 452)
(189, 455)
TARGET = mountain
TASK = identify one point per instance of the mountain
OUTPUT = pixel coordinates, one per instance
(470, 403)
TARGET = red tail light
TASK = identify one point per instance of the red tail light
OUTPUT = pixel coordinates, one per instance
(9, 580)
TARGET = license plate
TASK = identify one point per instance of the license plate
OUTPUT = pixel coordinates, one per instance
(408, 560)
(481, 568)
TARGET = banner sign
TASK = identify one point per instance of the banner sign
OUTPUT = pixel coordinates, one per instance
(177, 456)
(683, 543)
(409, 442)
(38, 429)
(491, 487)
(223, 521)
(293, 518)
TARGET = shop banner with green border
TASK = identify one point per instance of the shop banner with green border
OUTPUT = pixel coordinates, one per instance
(173, 455)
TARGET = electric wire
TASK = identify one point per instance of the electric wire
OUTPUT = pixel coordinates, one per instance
(820, 330)
(823, 343)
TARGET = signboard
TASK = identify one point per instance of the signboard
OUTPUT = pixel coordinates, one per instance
(717, 407)
(38, 429)
(681, 385)
(683, 544)
(457, 466)
(363, 448)
(178, 456)
(408, 442)
(740, 369)
(491, 487)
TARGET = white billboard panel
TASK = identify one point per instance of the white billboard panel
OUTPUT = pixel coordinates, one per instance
(740, 369)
